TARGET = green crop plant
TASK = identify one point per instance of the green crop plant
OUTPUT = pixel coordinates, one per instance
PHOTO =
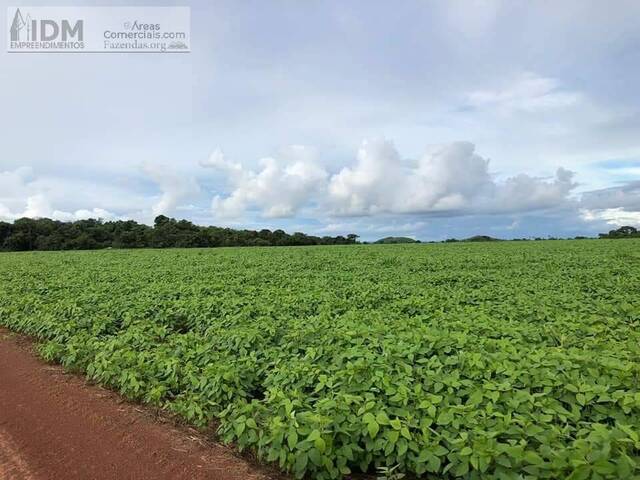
(503, 360)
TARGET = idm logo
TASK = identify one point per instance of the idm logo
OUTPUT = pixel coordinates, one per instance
(24, 28)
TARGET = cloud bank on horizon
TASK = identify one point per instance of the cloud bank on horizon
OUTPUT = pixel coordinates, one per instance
(429, 120)
(448, 180)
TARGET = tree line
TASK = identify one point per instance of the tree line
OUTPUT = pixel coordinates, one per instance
(622, 232)
(45, 234)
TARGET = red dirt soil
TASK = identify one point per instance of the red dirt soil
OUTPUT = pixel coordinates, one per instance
(55, 426)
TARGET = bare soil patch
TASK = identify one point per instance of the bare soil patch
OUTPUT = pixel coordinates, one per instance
(53, 425)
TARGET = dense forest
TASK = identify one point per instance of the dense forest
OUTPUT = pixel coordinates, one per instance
(47, 234)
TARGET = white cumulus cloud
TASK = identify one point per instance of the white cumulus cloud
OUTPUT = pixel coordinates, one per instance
(613, 216)
(524, 192)
(279, 188)
(451, 179)
(617, 206)
(38, 206)
(175, 188)
(445, 179)
(23, 195)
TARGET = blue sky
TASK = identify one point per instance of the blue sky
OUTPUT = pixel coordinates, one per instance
(430, 119)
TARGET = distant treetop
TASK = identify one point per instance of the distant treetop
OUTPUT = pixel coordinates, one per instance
(397, 240)
(481, 238)
(47, 234)
(622, 232)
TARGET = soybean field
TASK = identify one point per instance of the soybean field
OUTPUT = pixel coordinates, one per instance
(506, 360)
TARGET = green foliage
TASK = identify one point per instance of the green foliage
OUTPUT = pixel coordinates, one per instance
(387, 240)
(622, 232)
(46, 234)
(501, 360)
(481, 238)
(390, 473)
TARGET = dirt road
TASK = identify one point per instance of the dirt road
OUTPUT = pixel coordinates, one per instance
(54, 426)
